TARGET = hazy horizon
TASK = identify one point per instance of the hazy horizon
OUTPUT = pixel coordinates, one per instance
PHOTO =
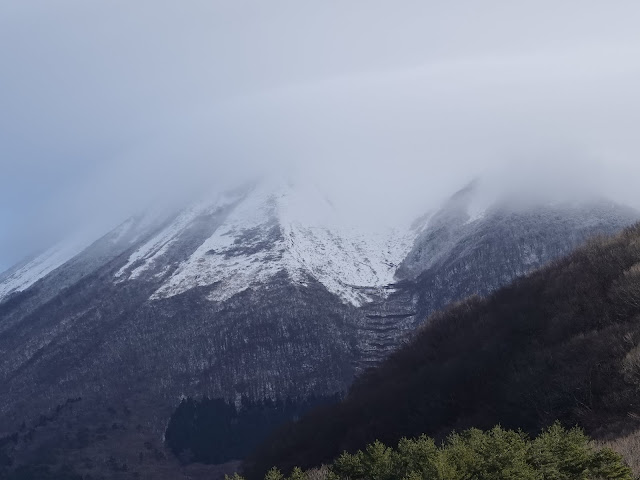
(390, 108)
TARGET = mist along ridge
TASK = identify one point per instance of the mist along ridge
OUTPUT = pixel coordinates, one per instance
(242, 294)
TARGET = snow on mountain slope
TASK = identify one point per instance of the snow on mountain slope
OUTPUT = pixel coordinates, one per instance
(148, 254)
(25, 275)
(133, 320)
(274, 226)
(29, 272)
(482, 239)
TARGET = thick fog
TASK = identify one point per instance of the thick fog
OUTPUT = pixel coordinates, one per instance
(109, 107)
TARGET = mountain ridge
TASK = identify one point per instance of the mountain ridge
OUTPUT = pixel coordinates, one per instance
(250, 318)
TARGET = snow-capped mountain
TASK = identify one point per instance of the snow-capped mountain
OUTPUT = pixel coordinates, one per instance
(254, 291)
(262, 291)
(277, 226)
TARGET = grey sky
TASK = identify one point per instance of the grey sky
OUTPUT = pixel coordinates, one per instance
(108, 106)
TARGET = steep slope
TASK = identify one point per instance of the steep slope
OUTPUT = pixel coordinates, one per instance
(260, 291)
(481, 240)
(562, 343)
(233, 296)
(33, 283)
(83, 245)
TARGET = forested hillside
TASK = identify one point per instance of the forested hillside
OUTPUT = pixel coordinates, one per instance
(561, 344)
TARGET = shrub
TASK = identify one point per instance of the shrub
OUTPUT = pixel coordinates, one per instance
(498, 454)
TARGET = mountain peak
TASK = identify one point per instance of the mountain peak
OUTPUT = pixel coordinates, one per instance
(294, 198)
(241, 240)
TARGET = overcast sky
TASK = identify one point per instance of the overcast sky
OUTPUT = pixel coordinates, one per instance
(106, 106)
